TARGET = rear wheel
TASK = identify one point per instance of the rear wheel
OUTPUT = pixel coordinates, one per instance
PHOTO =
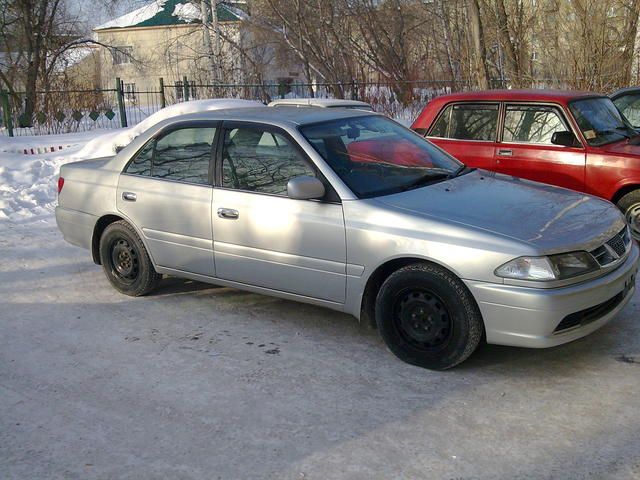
(630, 206)
(427, 317)
(125, 260)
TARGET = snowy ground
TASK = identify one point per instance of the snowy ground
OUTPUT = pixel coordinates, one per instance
(199, 382)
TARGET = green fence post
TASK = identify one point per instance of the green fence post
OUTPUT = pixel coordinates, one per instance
(121, 110)
(4, 100)
(185, 85)
(163, 101)
(282, 89)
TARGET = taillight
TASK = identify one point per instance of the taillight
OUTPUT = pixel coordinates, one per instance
(60, 184)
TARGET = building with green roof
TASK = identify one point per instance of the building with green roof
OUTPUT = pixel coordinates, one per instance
(168, 39)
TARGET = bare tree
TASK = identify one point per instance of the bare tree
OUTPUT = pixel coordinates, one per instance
(479, 57)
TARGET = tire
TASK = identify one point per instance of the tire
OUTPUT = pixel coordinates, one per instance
(630, 206)
(125, 260)
(427, 317)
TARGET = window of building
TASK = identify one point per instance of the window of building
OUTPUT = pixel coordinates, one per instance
(130, 92)
(122, 55)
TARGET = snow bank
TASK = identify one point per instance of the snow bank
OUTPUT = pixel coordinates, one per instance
(44, 143)
(28, 185)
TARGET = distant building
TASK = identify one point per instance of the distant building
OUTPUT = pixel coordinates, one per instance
(167, 39)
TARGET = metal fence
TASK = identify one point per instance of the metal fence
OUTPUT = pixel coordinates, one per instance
(67, 111)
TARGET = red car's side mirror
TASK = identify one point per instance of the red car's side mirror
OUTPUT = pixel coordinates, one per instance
(565, 138)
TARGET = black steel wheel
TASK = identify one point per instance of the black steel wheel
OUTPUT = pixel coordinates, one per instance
(422, 319)
(125, 260)
(427, 316)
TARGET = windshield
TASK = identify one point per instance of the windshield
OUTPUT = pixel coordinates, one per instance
(376, 156)
(629, 105)
(600, 121)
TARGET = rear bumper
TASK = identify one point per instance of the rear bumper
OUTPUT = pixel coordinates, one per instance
(529, 317)
(76, 227)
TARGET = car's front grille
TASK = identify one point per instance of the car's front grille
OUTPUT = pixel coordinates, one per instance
(589, 315)
(613, 249)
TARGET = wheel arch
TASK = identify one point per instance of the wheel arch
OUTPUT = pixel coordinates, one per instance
(623, 190)
(103, 222)
(379, 275)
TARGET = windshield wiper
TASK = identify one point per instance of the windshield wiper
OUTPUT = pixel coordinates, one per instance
(616, 131)
(425, 180)
(461, 169)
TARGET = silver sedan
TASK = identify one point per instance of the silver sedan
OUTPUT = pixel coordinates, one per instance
(349, 210)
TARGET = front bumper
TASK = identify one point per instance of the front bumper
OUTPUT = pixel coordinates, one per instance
(529, 317)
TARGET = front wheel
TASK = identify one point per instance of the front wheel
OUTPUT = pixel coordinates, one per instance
(630, 206)
(427, 317)
(125, 260)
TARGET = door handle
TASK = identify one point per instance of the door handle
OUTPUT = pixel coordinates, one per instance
(129, 196)
(505, 153)
(229, 213)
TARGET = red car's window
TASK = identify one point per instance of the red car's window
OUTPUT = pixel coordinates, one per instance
(531, 124)
(392, 151)
(478, 122)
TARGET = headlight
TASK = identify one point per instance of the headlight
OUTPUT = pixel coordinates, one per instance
(552, 267)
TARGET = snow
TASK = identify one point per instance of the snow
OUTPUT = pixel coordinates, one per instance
(187, 12)
(28, 183)
(106, 144)
(72, 57)
(133, 18)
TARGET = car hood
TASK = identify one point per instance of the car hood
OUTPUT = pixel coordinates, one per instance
(550, 219)
(622, 148)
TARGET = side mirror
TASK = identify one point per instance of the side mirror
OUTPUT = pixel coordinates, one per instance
(119, 148)
(305, 188)
(564, 138)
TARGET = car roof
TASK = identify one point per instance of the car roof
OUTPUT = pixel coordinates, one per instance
(282, 116)
(318, 102)
(538, 95)
(625, 91)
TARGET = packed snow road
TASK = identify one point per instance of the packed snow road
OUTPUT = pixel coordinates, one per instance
(197, 382)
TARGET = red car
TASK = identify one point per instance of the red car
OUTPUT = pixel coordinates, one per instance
(570, 139)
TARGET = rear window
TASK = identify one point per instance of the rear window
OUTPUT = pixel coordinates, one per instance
(467, 122)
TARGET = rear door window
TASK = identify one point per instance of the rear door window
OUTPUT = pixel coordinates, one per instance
(478, 122)
(532, 124)
(182, 155)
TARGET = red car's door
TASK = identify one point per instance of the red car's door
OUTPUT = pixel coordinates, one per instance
(526, 151)
(468, 132)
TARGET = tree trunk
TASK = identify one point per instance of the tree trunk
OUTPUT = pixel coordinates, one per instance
(630, 34)
(479, 54)
(512, 56)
